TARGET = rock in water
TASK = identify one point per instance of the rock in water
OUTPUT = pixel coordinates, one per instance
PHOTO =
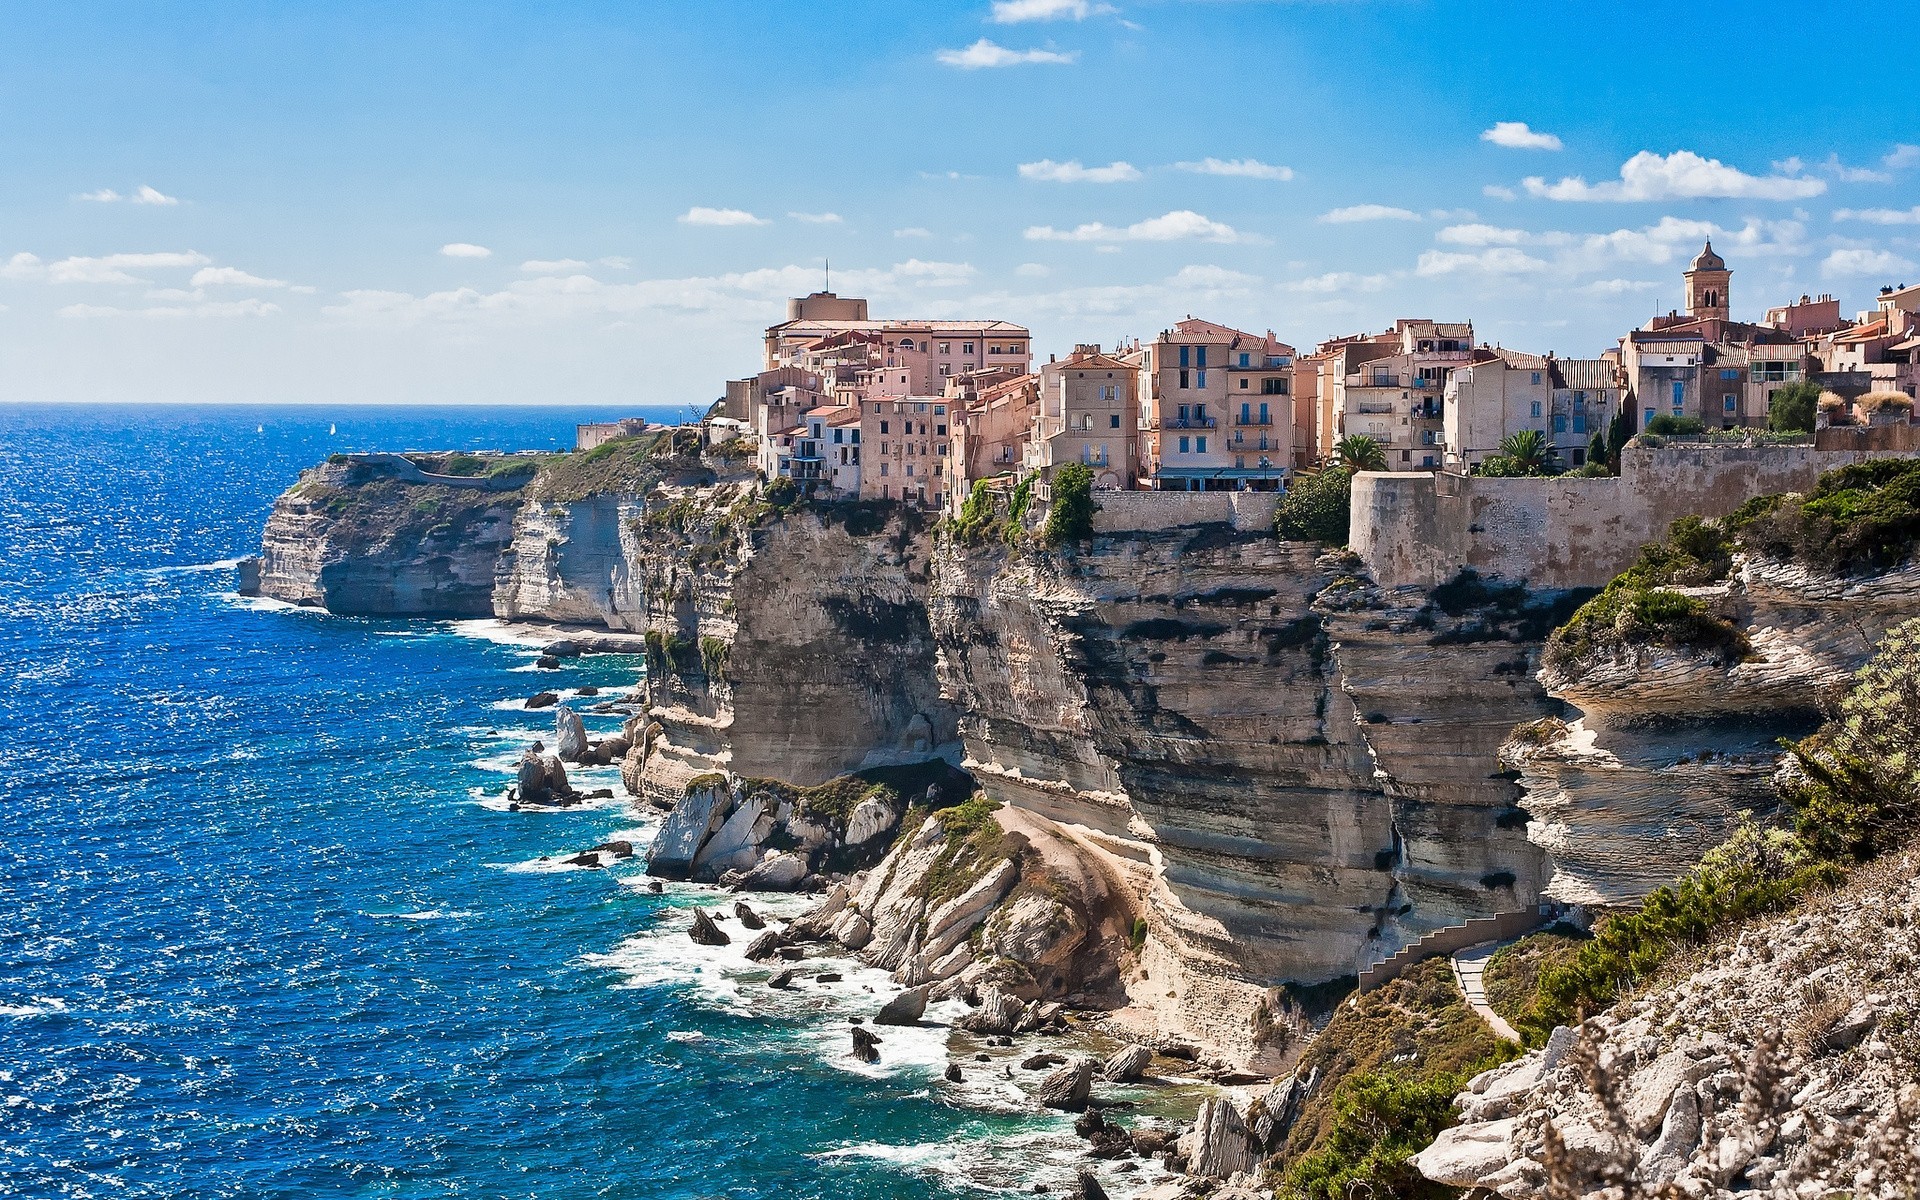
(1088, 1188)
(905, 1009)
(570, 734)
(1069, 1088)
(1127, 1064)
(1219, 1144)
(532, 779)
(547, 662)
(865, 1045)
(953, 1073)
(766, 945)
(781, 872)
(999, 1012)
(564, 649)
(781, 979)
(705, 932)
(1043, 1060)
(749, 919)
(542, 700)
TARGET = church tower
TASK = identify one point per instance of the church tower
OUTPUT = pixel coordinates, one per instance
(1707, 279)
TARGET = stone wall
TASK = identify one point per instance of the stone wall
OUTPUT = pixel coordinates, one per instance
(1146, 512)
(1564, 532)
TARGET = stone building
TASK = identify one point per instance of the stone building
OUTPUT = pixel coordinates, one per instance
(1088, 413)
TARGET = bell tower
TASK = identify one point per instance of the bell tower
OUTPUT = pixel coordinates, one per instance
(1707, 281)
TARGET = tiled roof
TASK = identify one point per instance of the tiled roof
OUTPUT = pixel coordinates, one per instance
(1586, 374)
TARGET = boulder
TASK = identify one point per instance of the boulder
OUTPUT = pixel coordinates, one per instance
(563, 649)
(542, 700)
(737, 845)
(1127, 1064)
(749, 919)
(705, 932)
(1042, 1060)
(1069, 1088)
(1219, 1144)
(619, 849)
(547, 662)
(999, 1012)
(851, 930)
(588, 690)
(587, 858)
(953, 1073)
(531, 780)
(904, 1009)
(569, 735)
(781, 979)
(870, 818)
(687, 828)
(865, 1045)
(1086, 1187)
(952, 922)
(766, 945)
(783, 872)
(1679, 1132)
(1466, 1154)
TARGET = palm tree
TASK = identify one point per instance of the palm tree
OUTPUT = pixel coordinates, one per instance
(1358, 452)
(1528, 450)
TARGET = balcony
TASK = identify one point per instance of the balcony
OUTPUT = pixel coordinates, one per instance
(1377, 379)
(1252, 419)
(1185, 423)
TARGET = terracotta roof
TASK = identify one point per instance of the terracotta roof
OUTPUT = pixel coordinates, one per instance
(1194, 327)
(848, 414)
(1590, 374)
(1520, 360)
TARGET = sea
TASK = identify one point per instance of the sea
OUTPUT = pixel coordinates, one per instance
(269, 929)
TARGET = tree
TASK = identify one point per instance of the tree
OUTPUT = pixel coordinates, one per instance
(1619, 430)
(1597, 447)
(1071, 517)
(1790, 409)
(1528, 450)
(1318, 507)
(1358, 452)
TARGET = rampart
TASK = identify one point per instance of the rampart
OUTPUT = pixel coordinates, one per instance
(1565, 532)
(1143, 512)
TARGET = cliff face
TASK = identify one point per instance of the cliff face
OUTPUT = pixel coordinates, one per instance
(1296, 772)
(1667, 747)
(352, 538)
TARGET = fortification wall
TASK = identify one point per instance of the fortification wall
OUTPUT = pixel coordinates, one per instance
(1564, 532)
(1142, 512)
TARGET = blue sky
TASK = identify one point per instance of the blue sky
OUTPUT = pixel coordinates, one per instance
(574, 202)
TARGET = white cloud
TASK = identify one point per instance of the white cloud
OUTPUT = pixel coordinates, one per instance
(249, 307)
(231, 277)
(1481, 235)
(1182, 225)
(149, 195)
(115, 268)
(1072, 172)
(1033, 271)
(985, 53)
(1497, 260)
(1901, 157)
(553, 266)
(1682, 175)
(22, 266)
(825, 218)
(1497, 192)
(1880, 216)
(144, 194)
(1515, 135)
(1619, 287)
(1244, 168)
(1340, 281)
(913, 231)
(1367, 212)
(1845, 174)
(932, 274)
(1013, 12)
(1213, 278)
(1845, 263)
(465, 250)
(102, 196)
(699, 215)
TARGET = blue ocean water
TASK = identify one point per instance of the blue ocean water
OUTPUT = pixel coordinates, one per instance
(266, 929)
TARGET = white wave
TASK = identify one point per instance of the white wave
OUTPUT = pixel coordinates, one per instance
(224, 564)
(39, 1006)
(425, 914)
(492, 629)
(973, 1157)
(269, 604)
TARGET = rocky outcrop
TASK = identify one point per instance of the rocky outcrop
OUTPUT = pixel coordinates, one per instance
(353, 537)
(1292, 773)
(1664, 749)
(1785, 1066)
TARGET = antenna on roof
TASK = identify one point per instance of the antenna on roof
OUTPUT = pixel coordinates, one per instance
(829, 286)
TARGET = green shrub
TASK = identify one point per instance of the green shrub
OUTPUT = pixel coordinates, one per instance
(1667, 425)
(1513, 973)
(1070, 519)
(1021, 500)
(978, 519)
(1380, 1121)
(1790, 409)
(1858, 519)
(714, 654)
(1317, 508)
(1637, 609)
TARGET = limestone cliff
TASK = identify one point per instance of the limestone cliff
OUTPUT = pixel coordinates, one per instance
(1295, 772)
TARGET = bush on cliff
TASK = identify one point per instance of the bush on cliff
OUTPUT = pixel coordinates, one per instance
(625, 466)
(1858, 519)
(1668, 425)
(1790, 409)
(1070, 519)
(1317, 508)
(1639, 608)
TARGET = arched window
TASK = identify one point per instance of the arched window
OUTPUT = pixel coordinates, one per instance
(906, 343)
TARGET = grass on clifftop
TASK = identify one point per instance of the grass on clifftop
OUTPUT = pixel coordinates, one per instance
(1390, 1062)
(1856, 520)
(1639, 608)
(1513, 973)
(627, 466)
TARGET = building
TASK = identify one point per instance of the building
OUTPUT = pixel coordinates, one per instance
(1663, 372)
(586, 437)
(1088, 413)
(1393, 385)
(1193, 381)
(1496, 393)
(931, 351)
(991, 426)
(906, 447)
(1586, 397)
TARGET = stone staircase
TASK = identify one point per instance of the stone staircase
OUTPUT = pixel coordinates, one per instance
(1499, 927)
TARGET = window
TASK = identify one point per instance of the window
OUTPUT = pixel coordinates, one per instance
(1200, 444)
(1200, 358)
(1536, 408)
(939, 410)
(1200, 376)
(1646, 417)
(1183, 412)
(856, 437)
(909, 468)
(1536, 383)
(1243, 381)
(883, 429)
(883, 466)
(966, 347)
(940, 431)
(1246, 412)
(946, 368)
(906, 343)
(837, 438)
(1113, 420)
(943, 454)
(1559, 422)
(1183, 379)
(1264, 418)
(1730, 373)
(1246, 360)
(1186, 356)
(1679, 394)
(946, 347)
(1579, 424)
(1185, 445)
(1730, 404)
(1273, 387)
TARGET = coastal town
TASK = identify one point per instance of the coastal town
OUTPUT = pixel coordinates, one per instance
(847, 405)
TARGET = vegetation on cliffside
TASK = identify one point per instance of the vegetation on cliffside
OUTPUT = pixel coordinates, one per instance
(1317, 508)
(1858, 519)
(1641, 607)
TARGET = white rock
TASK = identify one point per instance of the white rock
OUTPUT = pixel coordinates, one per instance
(569, 735)
(1466, 1154)
(870, 818)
